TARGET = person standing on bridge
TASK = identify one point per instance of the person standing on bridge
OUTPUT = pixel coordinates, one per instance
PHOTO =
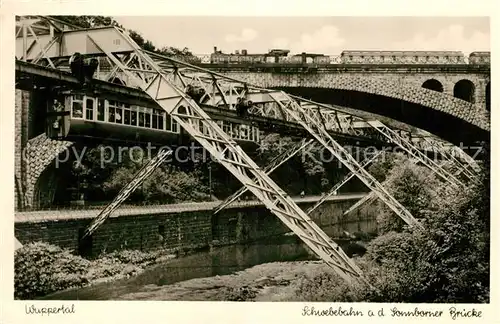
(302, 194)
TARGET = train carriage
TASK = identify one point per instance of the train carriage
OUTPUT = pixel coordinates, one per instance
(74, 115)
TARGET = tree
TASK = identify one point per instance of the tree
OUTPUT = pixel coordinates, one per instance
(165, 185)
(96, 21)
(411, 185)
(446, 262)
(145, 44)
(88, 21)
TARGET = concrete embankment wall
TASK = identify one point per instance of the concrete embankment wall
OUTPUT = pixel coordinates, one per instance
(184, 230)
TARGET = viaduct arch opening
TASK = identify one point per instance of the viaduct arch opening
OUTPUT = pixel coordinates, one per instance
(433, 84)
(423, 116)
(45, 187)
(464, 89)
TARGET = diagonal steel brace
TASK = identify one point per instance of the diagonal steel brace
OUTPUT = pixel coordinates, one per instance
(273, 165)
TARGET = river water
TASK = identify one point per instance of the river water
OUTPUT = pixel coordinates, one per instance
(220, 261)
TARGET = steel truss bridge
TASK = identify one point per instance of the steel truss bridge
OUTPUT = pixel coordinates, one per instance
(44, 46)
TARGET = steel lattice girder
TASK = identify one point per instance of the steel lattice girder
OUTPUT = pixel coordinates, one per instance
(410, 149)
(344, 180)
(218, 89)
(38, 34)
(167, 90)
(304, 116)
(450, 160)
(454, 156)
(460, 154)
(360, 202)
(450, 156)
(126, 191)
(273, 165)
(164, 84)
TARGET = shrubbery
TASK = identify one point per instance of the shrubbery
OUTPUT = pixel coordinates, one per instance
(163, 186)
(134, 257)
(41, 268)
(446, 262)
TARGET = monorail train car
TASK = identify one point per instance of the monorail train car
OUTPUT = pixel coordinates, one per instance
(75, 115)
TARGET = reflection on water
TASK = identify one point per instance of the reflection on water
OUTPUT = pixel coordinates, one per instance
(219, 261)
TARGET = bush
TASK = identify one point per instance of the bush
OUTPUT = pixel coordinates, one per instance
(41, 269)
(238, 294)
(412, 186)
(134, 257)
(161, 187)
(328, 286)
(447, 262)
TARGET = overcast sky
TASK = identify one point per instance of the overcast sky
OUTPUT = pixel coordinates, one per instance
(329, 35)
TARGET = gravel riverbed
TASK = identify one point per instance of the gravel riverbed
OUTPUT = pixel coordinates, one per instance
(276, 281)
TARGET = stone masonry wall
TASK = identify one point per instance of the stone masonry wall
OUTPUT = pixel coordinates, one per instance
(448, 80)
(399, 86)
(33, 152)
(40, 152)
(20, 138)
(186, 230)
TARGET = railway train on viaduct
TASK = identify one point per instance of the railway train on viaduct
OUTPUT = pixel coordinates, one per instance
(283, 57)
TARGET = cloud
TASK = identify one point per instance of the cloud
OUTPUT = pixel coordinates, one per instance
(325, 40)
(247, 34)
(451, 38)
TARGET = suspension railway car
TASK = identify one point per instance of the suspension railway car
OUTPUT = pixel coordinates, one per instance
(74, 115)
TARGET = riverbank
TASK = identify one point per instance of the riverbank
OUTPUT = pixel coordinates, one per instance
(68, 276)
(275, 281)
(133, 270)
(58, 269)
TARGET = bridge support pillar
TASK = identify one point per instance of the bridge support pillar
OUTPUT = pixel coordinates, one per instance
(34, 152)
(480, 93)
(40, 153)
(22, 103)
